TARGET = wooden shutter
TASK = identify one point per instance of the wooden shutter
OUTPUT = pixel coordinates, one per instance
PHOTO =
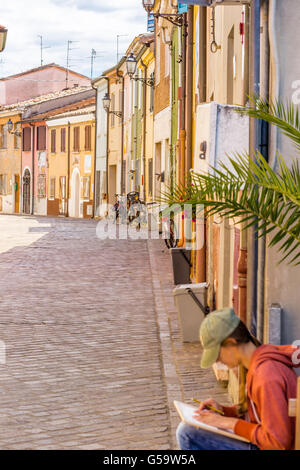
(53, 141)
(63, 139)
(88, 140)
(41, 138)
(76, 143)
(26, 139)
(150, 176)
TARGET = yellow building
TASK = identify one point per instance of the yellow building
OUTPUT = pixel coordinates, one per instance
(10, 161)
(71, 163)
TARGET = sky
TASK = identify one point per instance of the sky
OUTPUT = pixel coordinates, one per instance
(95, 24)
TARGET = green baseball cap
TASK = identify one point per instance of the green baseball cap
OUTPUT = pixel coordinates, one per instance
(214, 329)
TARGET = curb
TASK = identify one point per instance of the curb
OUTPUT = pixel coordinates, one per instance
(171, 380)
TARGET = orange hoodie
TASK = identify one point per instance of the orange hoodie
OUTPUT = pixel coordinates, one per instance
(271, 382)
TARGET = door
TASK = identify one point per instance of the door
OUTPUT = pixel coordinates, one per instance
(26, 191)
(17, 194)
(112, 184)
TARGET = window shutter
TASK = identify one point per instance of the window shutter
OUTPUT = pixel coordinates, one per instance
(150, 176)
(76, 145)
(88, 137)
(26, 139)
(63, 139)
(41, 138)
(53, 141)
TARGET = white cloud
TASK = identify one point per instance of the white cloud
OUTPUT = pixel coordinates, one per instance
(93, 23)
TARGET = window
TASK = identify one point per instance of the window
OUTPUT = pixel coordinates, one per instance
(3, 184)
(120, 101)
(41, 185)
(150, 176)
(157, 62)
(41, 138)
(86, 187)
(88, 140)
(124, 176)
(53, 141)
(167, 60)
(113, 104)
(63, 139)
(52, 188)
(76, 140)
(152, 94)
(3, 137)
(26, 139)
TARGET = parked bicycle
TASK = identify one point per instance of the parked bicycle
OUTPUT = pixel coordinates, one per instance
(136, 209)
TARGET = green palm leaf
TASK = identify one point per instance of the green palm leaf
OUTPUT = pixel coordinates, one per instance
(253, 192)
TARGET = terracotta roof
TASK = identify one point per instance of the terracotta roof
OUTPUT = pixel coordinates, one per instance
(43, 98)
(73, 107)
(78, 112)
(42, 67)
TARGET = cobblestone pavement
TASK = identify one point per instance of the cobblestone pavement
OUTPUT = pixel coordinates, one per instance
(83, 364)
(93, 350)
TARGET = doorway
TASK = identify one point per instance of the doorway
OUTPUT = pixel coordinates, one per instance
(17, 194)
(26, 191)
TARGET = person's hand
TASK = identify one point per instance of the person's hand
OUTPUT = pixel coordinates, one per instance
(210, 402)
(215, 419)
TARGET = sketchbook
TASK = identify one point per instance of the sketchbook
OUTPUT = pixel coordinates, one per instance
(186, 413)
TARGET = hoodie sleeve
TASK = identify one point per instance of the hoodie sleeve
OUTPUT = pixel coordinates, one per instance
(275, 430)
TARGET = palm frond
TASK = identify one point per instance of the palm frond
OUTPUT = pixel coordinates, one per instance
(253, 192)
(284, 116)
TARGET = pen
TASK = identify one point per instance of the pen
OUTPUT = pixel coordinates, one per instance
(209, 407)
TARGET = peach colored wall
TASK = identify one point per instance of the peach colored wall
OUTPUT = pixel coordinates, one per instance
(37, 83)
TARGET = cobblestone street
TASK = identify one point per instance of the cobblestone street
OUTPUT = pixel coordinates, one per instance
(82, 320)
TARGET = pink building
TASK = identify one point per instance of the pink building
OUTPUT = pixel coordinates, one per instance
(39, 81)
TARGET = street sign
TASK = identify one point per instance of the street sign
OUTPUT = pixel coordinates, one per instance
(182, 7)
(150, 23)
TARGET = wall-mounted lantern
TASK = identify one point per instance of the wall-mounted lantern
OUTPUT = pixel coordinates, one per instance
(106, 105)
(176, 18)
(10, 128)
(131, 65)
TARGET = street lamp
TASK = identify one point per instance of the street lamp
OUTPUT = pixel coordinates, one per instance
(10, 127)
(176, 18)
(148, 5)
(106, 105)
(106, 102)
(3, 36)
(131, 65)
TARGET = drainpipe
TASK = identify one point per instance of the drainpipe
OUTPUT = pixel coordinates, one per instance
(122, 137)
(182, 131)
(68, 179)
(183, 102)
(144, 127)
(32, 163)
(275, 75)
(254, 145)
(201, 266)
(95, 154)
(189, 110)
(263, 148)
